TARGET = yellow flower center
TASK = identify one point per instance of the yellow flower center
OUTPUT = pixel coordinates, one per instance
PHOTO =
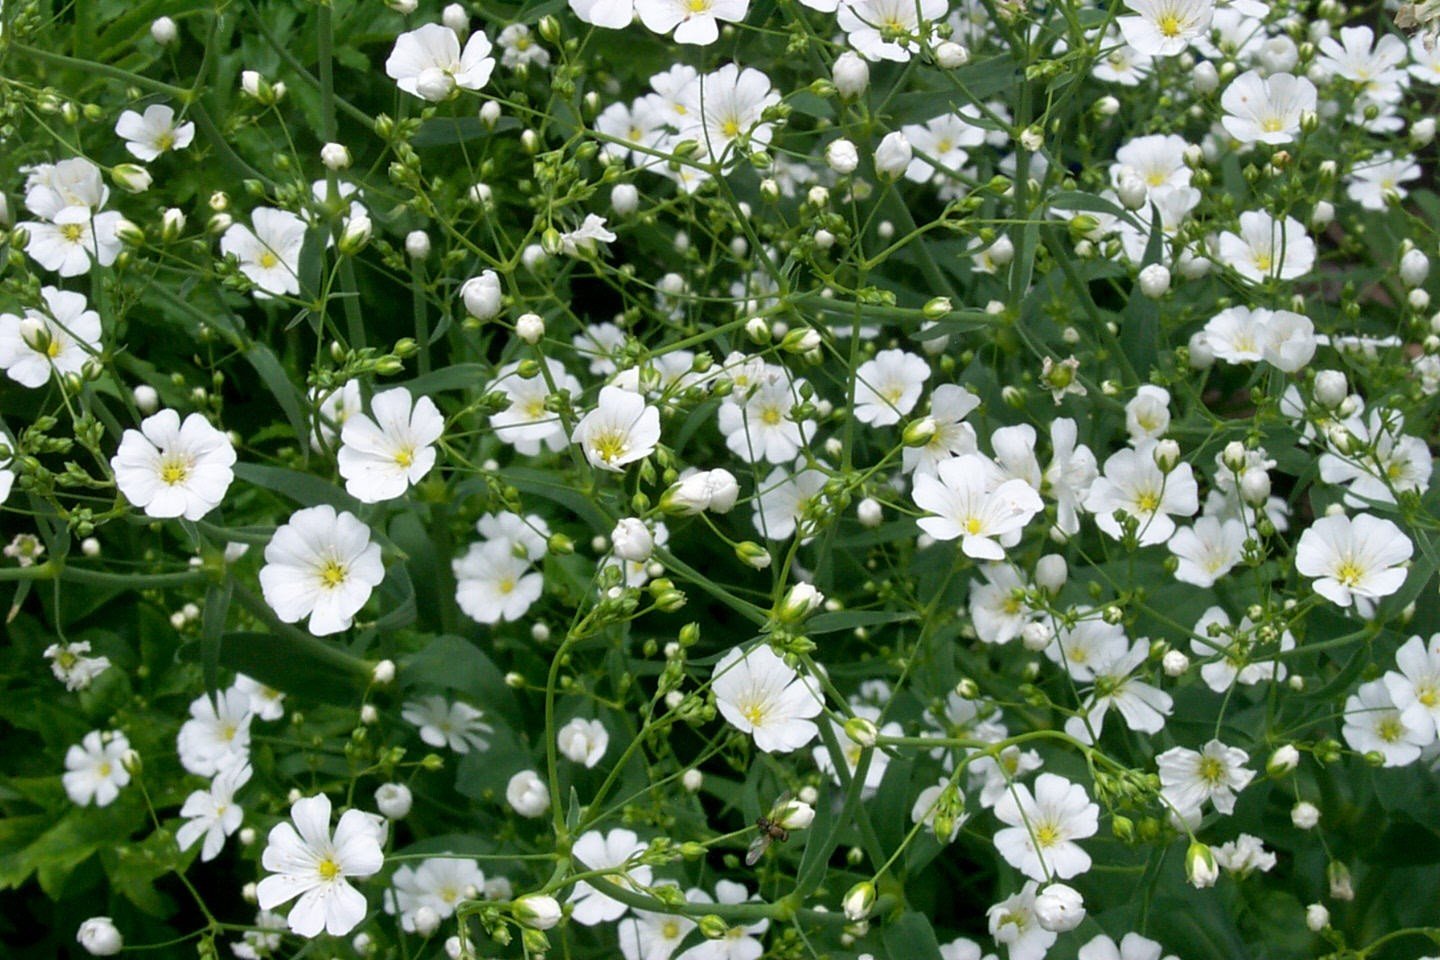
(697, 6)
(1147, 502)
(1427, 695)
(731, 128)
(328, 869)
(405, 456)
(770, 416)
(174, 470)
(165, 141)
(973, 526)
(52, 349)
(610, 446)
(1272, 125)
(1169, 25)
(670, 930)
(1390, 729)
(267, 260)
(72, 232)
(332, 574)
(1156, 178)
(1046, 835)
(1349, 573)
(104, 769)
(754, 712)
(1263, 262)
(507, 586)
(1212, 771)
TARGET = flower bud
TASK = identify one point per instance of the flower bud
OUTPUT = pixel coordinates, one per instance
(1422, 132)
(1414, 267)
(949, 55)
(490, 114)
(1304, 815)
(335, 156)
(393, 800)
(1059, 908)
(1167, 455)
(417, 244)
(869, 512)
(713, 927)
(1051, 572)
(455, 17)
(624, 199)
(752, 554)
(1131, 190)
(426, 921)
(527, 794)
(530, 328)
(861, 731)
(383, 673)
(1200, 867)
(797, 815)
(1330, 388)
(355, 235)
(851, 74)
(1204, 78)
(482, 295)
(536, 911)
(1282, 761)
(841, 156)
(164, 31)
(131, 177)
(631, 540)
(917, 433)
(99, 937)
(800, 601)
(1317, 917)
(1174, 663)
(692, 780)
(1338, 876)
(893, 156)
(1155, 280)
(859, 901)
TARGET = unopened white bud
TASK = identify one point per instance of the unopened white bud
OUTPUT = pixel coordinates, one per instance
(530, 328)
(851, 74)
(1304, 815)
(1174, 663)
(841, 156)
(335, 156)
(1204, 77)
(1317, 917)
(417, 244)
(869, 512)
(624, 199)
(1414, 268)
(1330, 388)
(1131, 190)
(949, 55)
(164, 31)
(393, 800)
(1051, 572)
(1155, 280)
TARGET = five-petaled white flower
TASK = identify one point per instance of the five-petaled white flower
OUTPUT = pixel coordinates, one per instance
(971, 502)
(1354, 561)
(1266, 109)
(444, 724)
(888, 387)
(322, 565)
(56, 340)
(1216, 773)
(268, 251)
(759, 694)
(621, 429)
(694, 21)
(154, 132)
(608, 851)
(307, 862)
(213, 814)
(170, 468)
(428, 62)
(95, 768)
(380, 459)
(1267, 248)
(1039, 840)
(1132, 482)
(1163, 28)
(217, 735)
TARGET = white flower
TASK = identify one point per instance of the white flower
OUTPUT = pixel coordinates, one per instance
(1039, 840)
(1059, 908)
(381, 458)
(95, 768)
(428, 63)
(968, 503)
(726, 105)
(519, 48)
(631, 540)
(1163, 28)
(1013, 924)
(1208, 550)
(1141, 705)
(527, 794)
(51, 187)
(1215, 773)
(610, 14)
(306, 862)
(1417, 682)
(322, 565)
(1157, 160)
(1266, 109)
(99, 937)
(74, 237)
(895, 153)
(213, 814)
(949, 406)
(70, 665)
(526, 424)
(269, 254)
(888, 387)
(713, 490)
(945, 142)
(1134, 483)
(740, 942)
(1231, 650)
(756, 420)
(1375, 723)
(58, 339)
(1070, 474)
(393, 800)
(439, 884)
(1268, 248)
(653, 936)
(1373, 182)
(217, 735)
(597, 851)
(1355, 561)
(266, 703)
(457, 725)
(482, 295)
(493, 584)
(524, 536)
(1147, 415)
(758, 694)
(1131, 947)
(1377, 69)
(852, 751)
(1244, 855)
(583, 741)
(621, 429)
(332, 409)
(694, 21)
(153, 133)
(864, 20)
(583, 239)
(171, 468)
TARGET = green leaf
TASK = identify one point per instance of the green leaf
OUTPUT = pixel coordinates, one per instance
(217, 609)
(850, 619)
(912, 937)
(311, 668)
(454, 663)
(273, 375)
(542, 484)
(303, 488)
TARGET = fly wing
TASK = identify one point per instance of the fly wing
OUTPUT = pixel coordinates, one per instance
(757, 848)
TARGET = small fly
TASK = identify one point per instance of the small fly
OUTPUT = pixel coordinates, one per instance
(772, 830)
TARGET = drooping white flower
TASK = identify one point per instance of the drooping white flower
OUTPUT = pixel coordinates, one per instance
(759, 694)
(605, 851)
(621, 429)
(1163, 28)
(217, 735)
(307, 862)
(268, 251)
(1244, 855)
(381, 458)
(1267, 248)
(1147, 415)
(1266, 109)
(1133, 483)
(57, 339)
(170, 468)
(888, 387)
(95, 768)
(1216, 773)
(584, 238)
(968, 504)
(694, 21)
(583, 741)
(213, 814)
(1069, 475)
(428, 62)
(456, 725)
(1354, 561)
(493, 584)
(321, 564)
(1042, 829)
(154, 132)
